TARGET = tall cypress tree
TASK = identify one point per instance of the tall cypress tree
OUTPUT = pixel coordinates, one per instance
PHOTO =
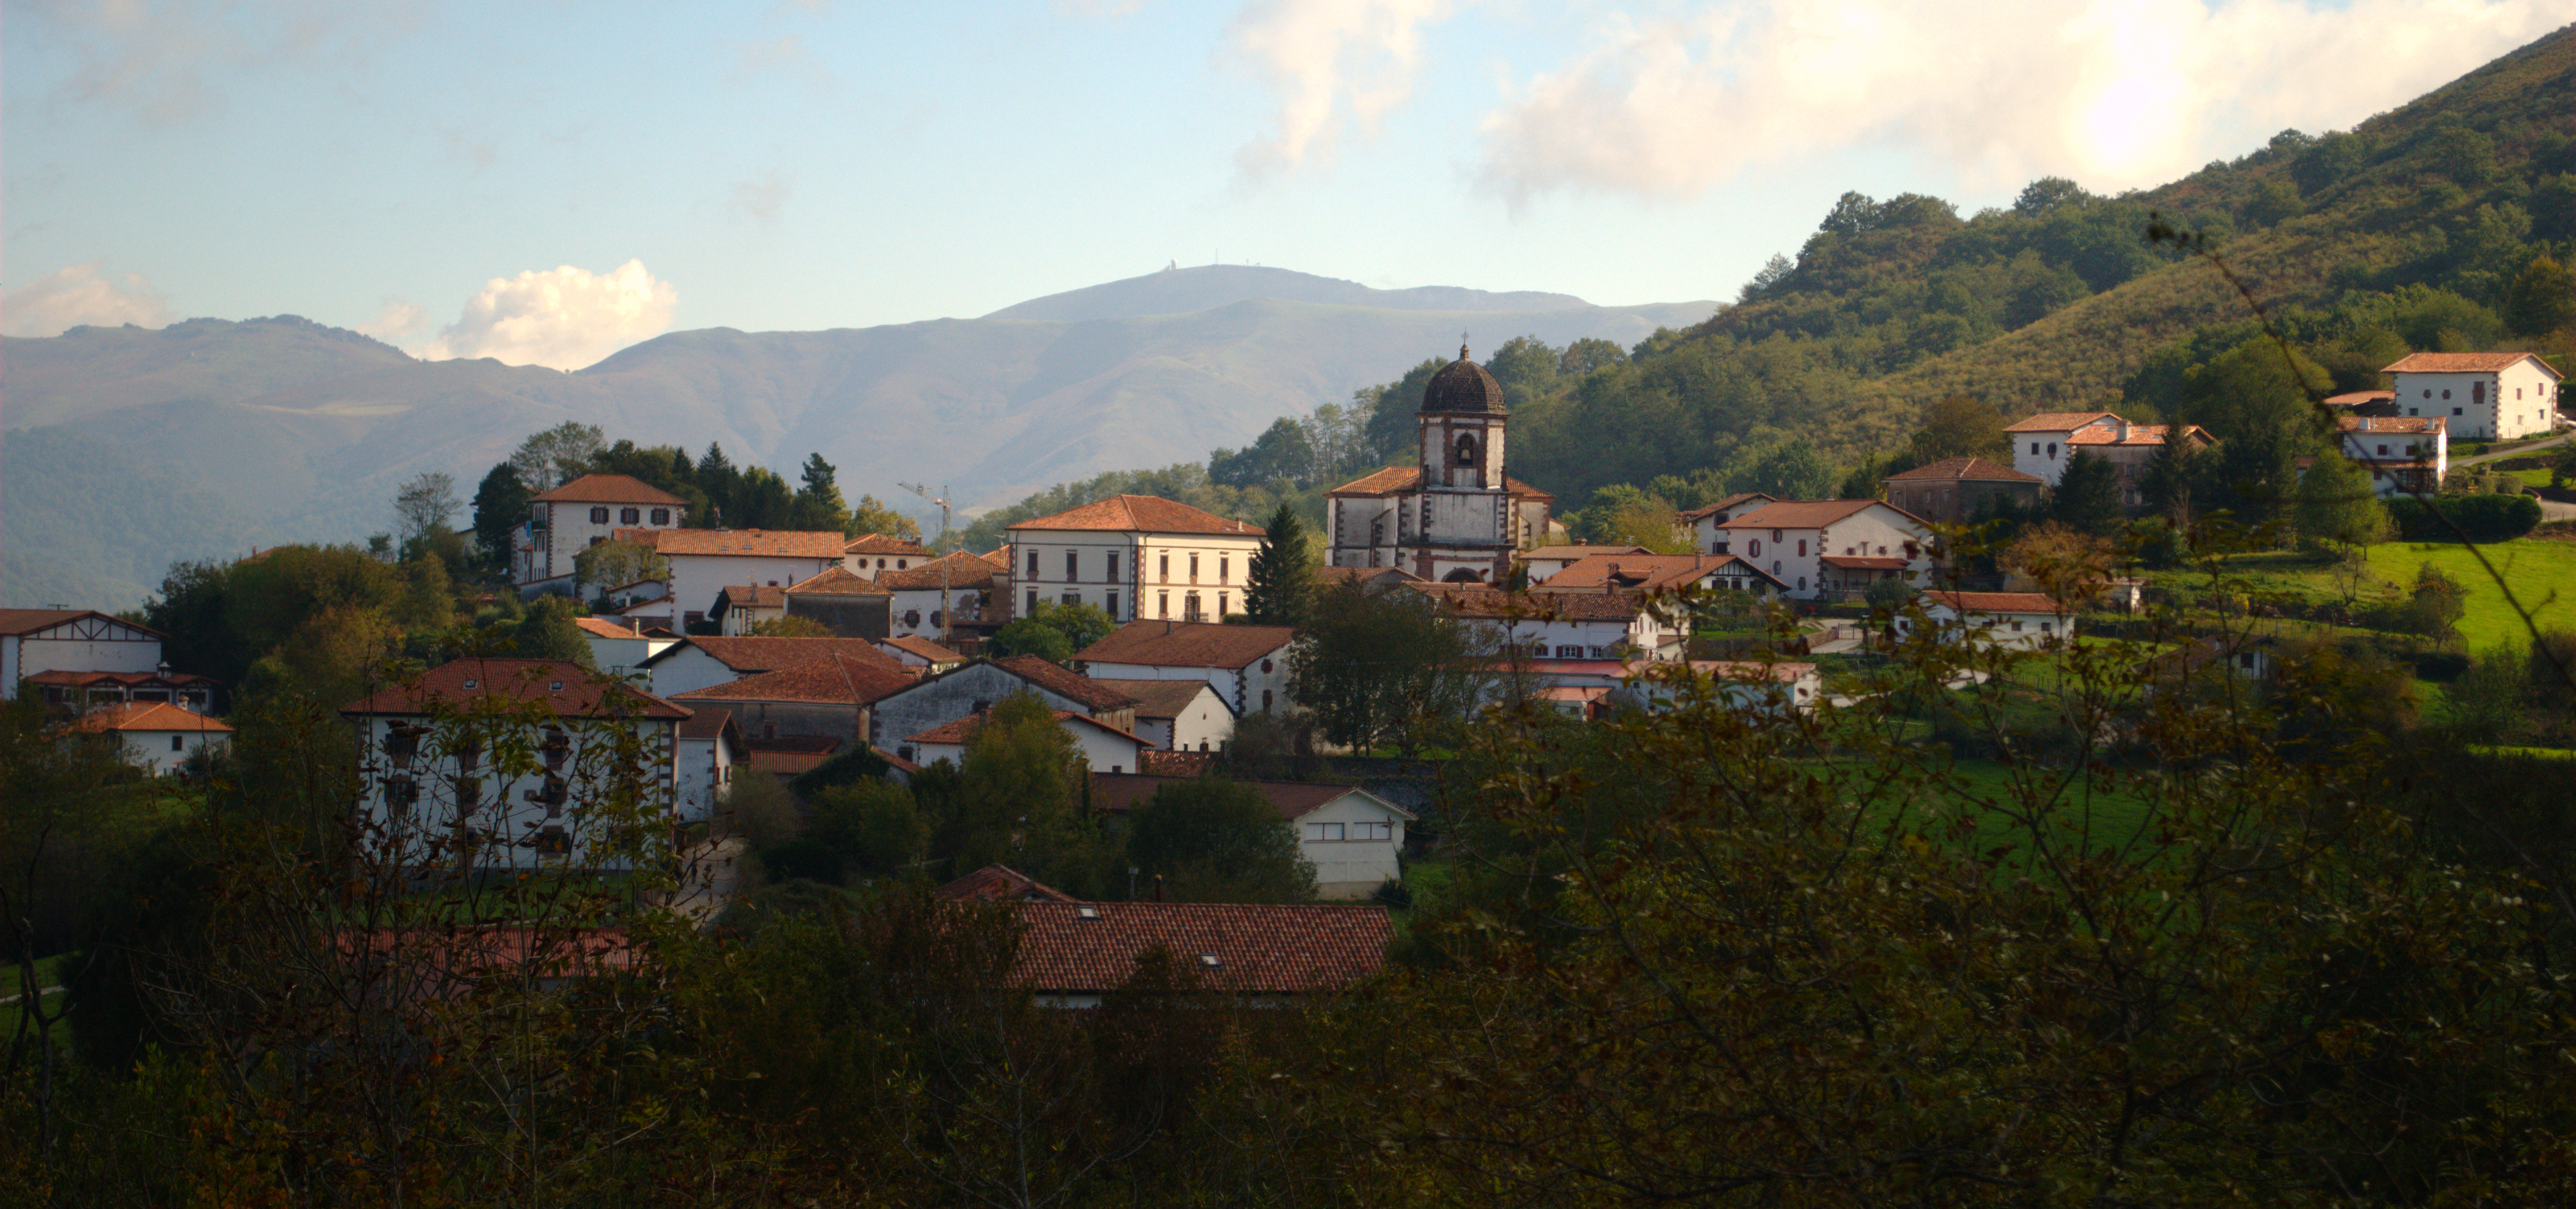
(2088, 494)
(1280, 585)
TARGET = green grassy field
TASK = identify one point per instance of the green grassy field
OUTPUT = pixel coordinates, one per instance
(48, 973)
(2535, 571)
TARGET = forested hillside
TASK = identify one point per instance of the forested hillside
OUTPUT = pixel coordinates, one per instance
(2440, 225)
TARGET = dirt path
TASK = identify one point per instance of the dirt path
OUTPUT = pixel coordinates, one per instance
(711, 876)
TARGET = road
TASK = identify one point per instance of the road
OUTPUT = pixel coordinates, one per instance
(2517, 451)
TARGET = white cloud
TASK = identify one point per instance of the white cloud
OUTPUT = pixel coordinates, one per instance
(565, 318)
(2115, 94)
(1334, 64)
(760, 200)
(399, 321)
(70, 297)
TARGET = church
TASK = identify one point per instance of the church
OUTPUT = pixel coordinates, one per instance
(1455, 516)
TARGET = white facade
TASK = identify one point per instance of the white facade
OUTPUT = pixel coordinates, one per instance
(163, 751)
(1353, 842)
(2519, 400)
(1132, 576)
(578, 515)
(1206, 724)
(2404, 454)
(1104, 747)
(1707, 525)
(519, 818)
(1260, 685)
(616, 649)
(706, 765)
(686, 669)
(697, 577)
(62, 640)
(1791, 540)
(2012, 620)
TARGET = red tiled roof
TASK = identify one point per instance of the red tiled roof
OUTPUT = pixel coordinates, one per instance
(608, 489)
(738, 543)
(750, 596)
(965, 572)
(2058, 421)
(963, 729)
(582, 693)
(2416, 424)
(1363, 574)
(2463, 363)
(1119, 793)
(873, 544)
(1000, 884)
(1064, 682)
(28, 621)
(1139, 514)
(151, 716)
(835, 581)
(2139, 434)
(832, 680)
(1396, 480)
(1975, 469)
(1188, 644)
(1996, 602)
(2359, 397)
(762, 654)
(1731, 501)
(1574, 553)
(707, 722)
(1263, 949)
(604, 628)
(1740, 669)
(1807, 514)
(1856, 563)
(1478, 600)
(1644, 572)
(1162, 698)
(124, 679)
(923, 648)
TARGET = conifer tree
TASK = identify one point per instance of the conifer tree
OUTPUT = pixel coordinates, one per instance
(2088, 494)
(1280, 584)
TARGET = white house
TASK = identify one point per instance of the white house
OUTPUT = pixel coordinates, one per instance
(1248, 664)
(739, 607)
(580, 514)
(1642, 574)
(711, 749)
(2021, 620)
(963, 581)
(707, 561)
(1826, 549)
(1133, 556)
(1568, 626)
(1540, 564)
(620, 648)
(35, 641)
(1103, 745)
(155, 734)
(2479, 396)
(1178, 715)
(871, 553)
(598, 789)
(1707, 524)
(2404, 454)
(1455, 515)
(1352, 837)
(2043, 444)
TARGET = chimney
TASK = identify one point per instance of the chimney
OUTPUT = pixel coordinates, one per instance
(1158, 887)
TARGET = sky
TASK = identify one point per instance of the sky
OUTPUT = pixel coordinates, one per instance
(547, 181)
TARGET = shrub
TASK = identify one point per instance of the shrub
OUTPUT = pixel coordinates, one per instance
(759, 810)
(2483, 518)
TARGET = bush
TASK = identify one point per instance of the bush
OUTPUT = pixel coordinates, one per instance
(2483, 518)
(872, 828)
(759, 810)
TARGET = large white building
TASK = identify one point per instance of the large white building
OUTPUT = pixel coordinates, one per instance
(2479, 396)
(1248, 664)
(1455, 515)
(2404, 454)
(2043, 444)
(707, 561)
(1823, 549)
(82, 657)
(1135, 557)
(580, 514)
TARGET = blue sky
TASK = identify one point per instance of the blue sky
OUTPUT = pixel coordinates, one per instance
(470, 178)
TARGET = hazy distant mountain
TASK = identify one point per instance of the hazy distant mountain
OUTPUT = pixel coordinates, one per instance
(1177, 290)
(128, 448)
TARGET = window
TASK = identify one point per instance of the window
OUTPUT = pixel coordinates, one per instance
(2015, 627)
(1111, 574)
(899, 564)
(1265, 665)
(2383, 451)
(1802, 548)
(2046, 627)
(2034, 449)
(1072, 565)
(1265, 701)
(2245, 660)
(1070, 598)
(1323, 832)
(2446, 394)
(1466, 449)
(769, 730)
(661, 516)
(1194, 568)
(1802, 583)
(1162, 604)
(1753, 547)
(599, 516)
(1569, 652)
(1224, 569)
(2052, 449)
(1033, 564)
(2454, 411)
(1221, 607)
(1033, 603)
(629, 516)
(912, 617)
(937, 619)
(1372, 831)
(1165, 572)
(180, 743)
(1775, 537)
(1190, 607)
(1112, 606)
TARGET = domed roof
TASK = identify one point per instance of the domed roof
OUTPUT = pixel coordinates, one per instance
(1463, 385)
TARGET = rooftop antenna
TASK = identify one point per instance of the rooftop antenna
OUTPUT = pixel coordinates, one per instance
(947, 618)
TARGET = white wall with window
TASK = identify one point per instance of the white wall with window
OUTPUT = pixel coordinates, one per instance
(1353, 841)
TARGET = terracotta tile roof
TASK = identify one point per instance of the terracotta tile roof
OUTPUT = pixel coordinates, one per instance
(1119, 793)
(2417, 424)
(1995, 602)
(604, 628)
(2059, 421)
(2358, 397)
(1239, 948)
(1645, 572)
(832, 680)
(1064, 682)
(1333, 575)
(1000, 884)
(898, 763)
(750, 596)
(786, 763)
(2463, 363)
(923, 648)
(28, 621)
(966, 572)
(1851, 562)
(1139, 514)
(149, 715)
(1574, 553)
(1188, 644)
(1477, 600)
(122, 679)
(583, 693)
(1808, 514)
(874, 544)
(709, 721)
(1000, 557)
(1163, 698)
(836, 581)
(963, 729)
(1396, 480)
(1732, 501)
(738, 543)
(761, 654)
(1176, 763)
(1974, 469)
(2139, 434)
(608, 489)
